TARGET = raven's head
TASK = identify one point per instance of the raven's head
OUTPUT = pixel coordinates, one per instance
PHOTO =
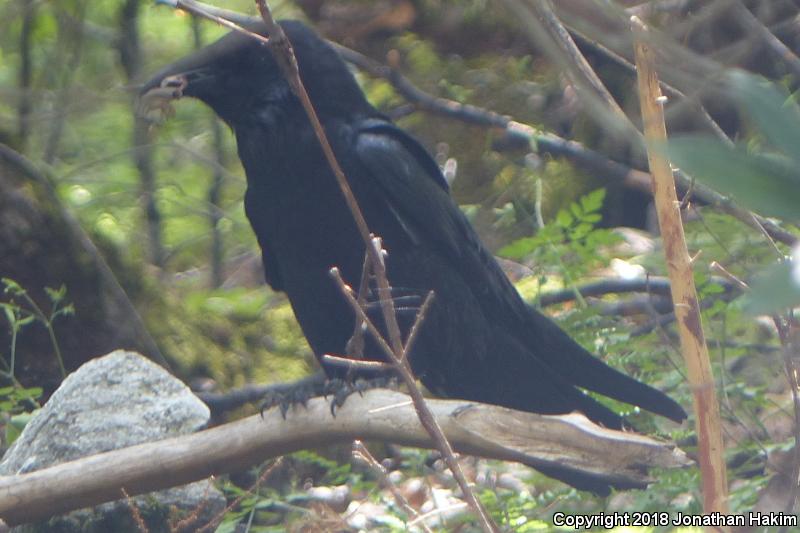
(239, 79)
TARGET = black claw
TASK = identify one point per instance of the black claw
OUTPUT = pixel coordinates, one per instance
(338, 389)
(286, 399)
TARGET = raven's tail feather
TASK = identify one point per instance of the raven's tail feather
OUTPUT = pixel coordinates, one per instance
(590, 373)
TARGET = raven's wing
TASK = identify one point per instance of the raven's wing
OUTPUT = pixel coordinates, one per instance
(418, 196)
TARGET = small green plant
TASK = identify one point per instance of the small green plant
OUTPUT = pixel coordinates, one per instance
(22, 315)
(15, 402)
(570, 242)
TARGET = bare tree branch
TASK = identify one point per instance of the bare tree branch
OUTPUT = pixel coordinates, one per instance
(541, 142)
(751, 23)
(570, 441)
(548, 143)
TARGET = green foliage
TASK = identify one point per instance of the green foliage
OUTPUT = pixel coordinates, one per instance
(765, 180)
(766, 183)
(21, 315)
(571, 241)
(333, 473)
(236, 336)
(16, 403)
(778, 287)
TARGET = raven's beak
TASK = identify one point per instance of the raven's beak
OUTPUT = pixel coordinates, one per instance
(156, 96)
(190, 76)
(196, 75)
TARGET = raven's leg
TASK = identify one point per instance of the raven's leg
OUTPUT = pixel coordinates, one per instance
(227, 401)
(285, 395)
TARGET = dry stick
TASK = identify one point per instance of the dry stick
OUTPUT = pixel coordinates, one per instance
(426, 418)
(216, 520)
(548, 143)
(560, 35)
(571, 441)
(355, 346)
(135, 514)
(545, 30)
(353, 364)
(693, 102)
(200, 10)
(684, 296)
(751, 23)
(363, 454)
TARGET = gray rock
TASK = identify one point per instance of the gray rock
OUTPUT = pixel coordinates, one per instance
(112, 402)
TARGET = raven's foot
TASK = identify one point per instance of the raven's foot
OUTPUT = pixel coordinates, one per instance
(297, 393)
(339, 390)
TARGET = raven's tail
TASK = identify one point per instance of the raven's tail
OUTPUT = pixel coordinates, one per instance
(586, 371)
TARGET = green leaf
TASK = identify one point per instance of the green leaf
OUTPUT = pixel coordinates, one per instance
(29, 393)
(12, 287)
(519, 248)
(774, 290)
(9, 311)
(770, 109)
(56, 295)
(564, 219)
(767, 185)
(593, 201)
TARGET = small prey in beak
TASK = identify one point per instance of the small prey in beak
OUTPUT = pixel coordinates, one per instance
(155, 105)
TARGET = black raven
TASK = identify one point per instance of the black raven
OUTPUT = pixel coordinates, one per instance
(480, 341)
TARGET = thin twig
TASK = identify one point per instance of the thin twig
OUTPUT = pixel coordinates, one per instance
(355, 364)
(355, 346)
(545, 31)
(215, 521)
(426, 418)
(362, 453)
(200, 10)
(135, 514)
(421, 314)
(751, 23)
(543, 143)
(715, 266)
(551, 144)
